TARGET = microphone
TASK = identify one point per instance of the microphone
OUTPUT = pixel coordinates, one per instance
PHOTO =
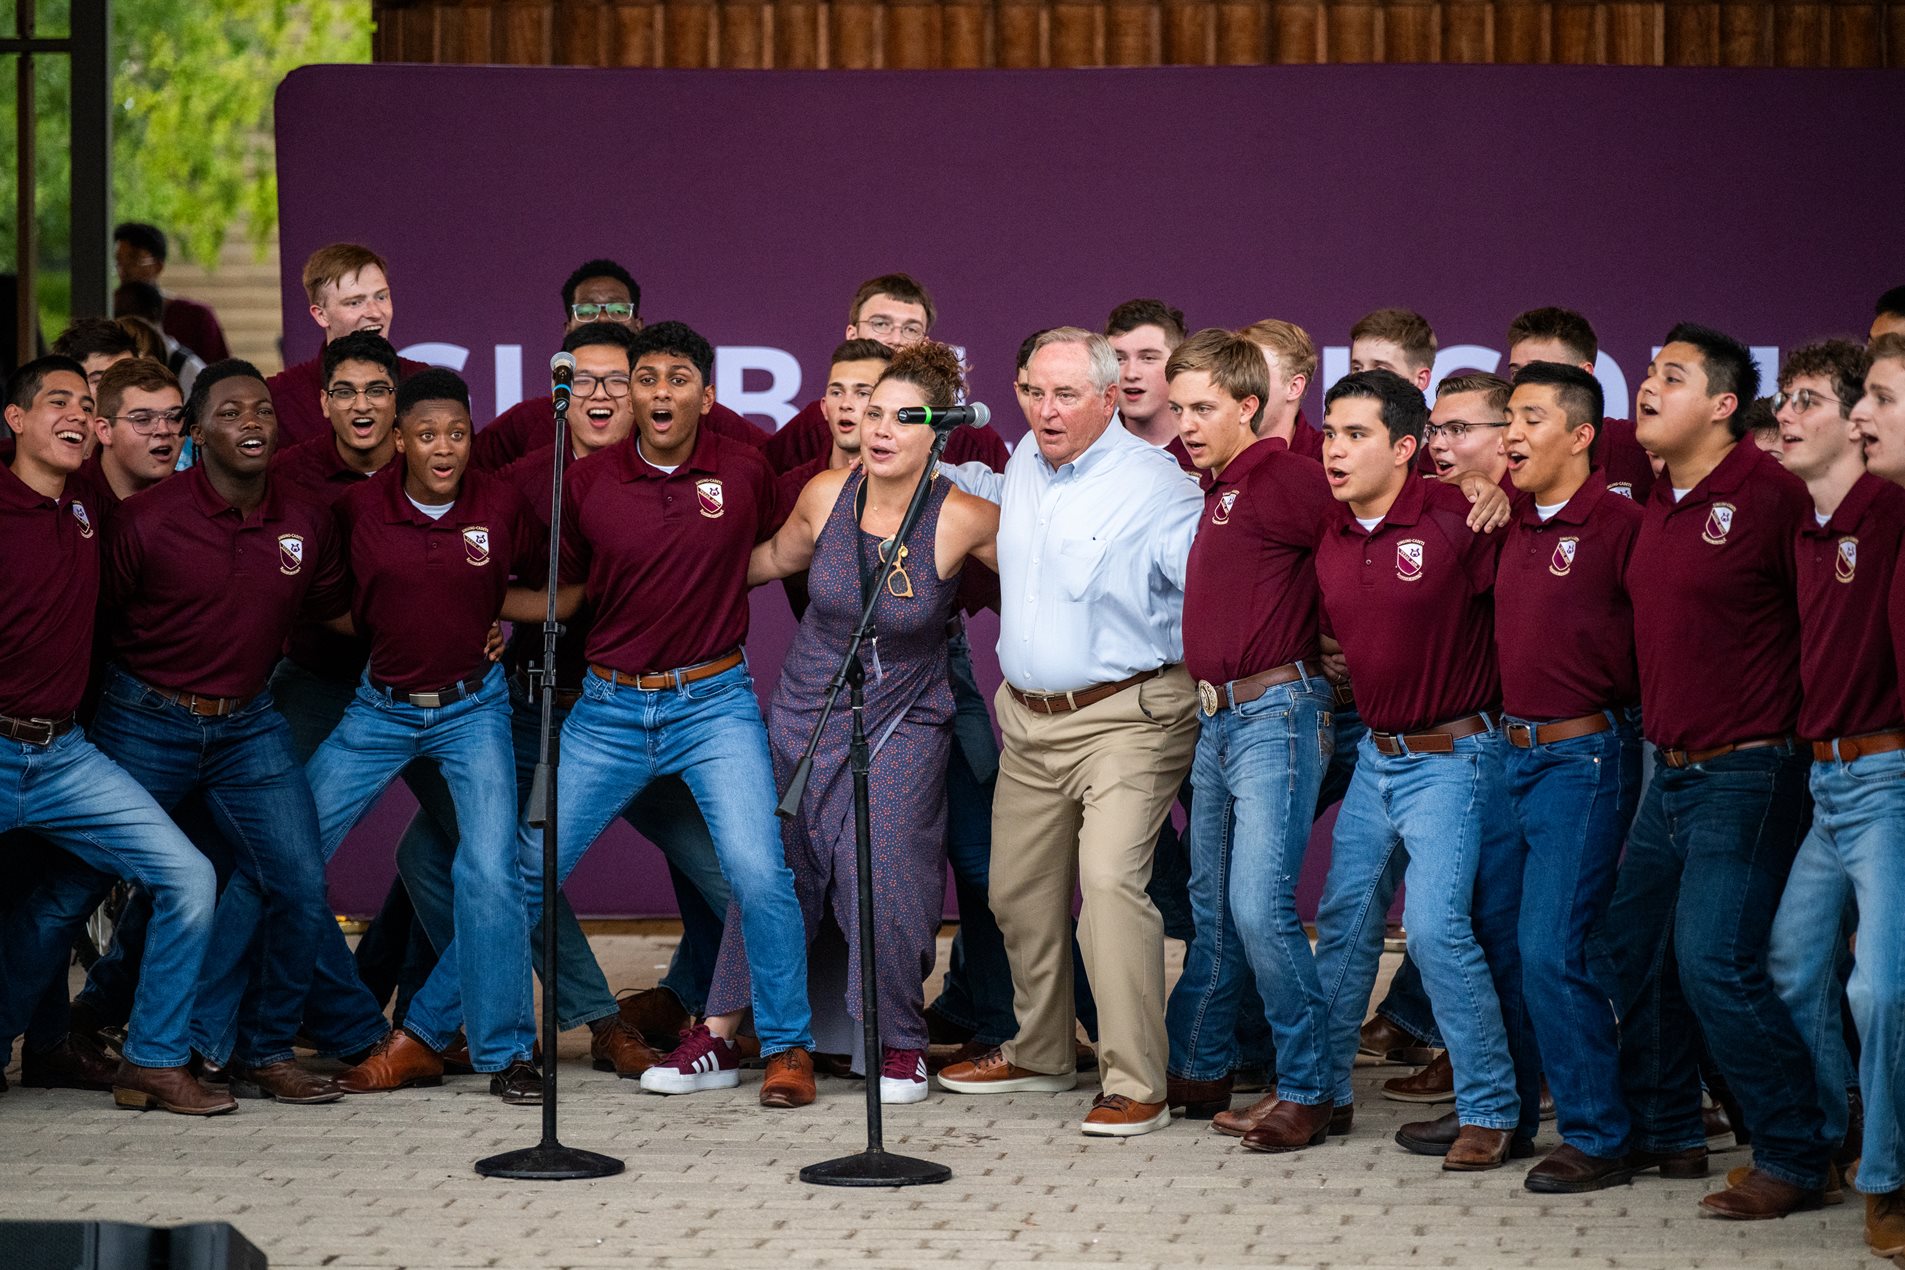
(561, 373)
(946, 418)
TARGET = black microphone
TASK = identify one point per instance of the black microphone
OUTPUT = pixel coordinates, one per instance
(561, 374)
(946, 418)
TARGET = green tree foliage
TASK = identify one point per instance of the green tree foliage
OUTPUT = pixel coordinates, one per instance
(192, 128)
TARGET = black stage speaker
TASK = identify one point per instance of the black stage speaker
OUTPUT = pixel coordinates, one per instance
(113, 1245)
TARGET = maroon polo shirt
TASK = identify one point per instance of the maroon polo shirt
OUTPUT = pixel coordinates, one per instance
(1848, 670)
(806, 437)
(664, 555)
(315, 467)
(530, 477)
(52, 551)
(1250, 595)
(196, 326)
(199, 598)
(1895, 611)
(531, 425)
(1716, 623)
(426, 590)
(1620, 457)
(1306, 439)
(1564, 626)
(295, 392)
(1412, 606)
(1175, 448)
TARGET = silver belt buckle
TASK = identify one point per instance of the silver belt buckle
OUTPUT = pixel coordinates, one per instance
(1207, 697)
(426, 700)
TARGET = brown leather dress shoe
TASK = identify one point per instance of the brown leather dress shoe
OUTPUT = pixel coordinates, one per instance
(1760, 1196)
(789, 1081)
(399, 1061)
(1197, 1099)
(77, 1062)
(172, 1089)
(1714, 1122)
(1116, 1116)
(456, 1058)
(619, 1048)
(1885, 1224)
(1438, 1136)
(283, 1082)
(990, 1073)
(1291, 1126)
(1434, 1083)
(1570, 1171)
(1691, 1162)
(519, 1085)
(656, 1015)
(1387, 1043)
(1832, 1193)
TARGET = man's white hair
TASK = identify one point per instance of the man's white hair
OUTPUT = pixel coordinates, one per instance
(1103, 363)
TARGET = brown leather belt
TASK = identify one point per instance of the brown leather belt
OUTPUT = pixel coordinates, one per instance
(658, 680)
(1687, 758)
(1525, 736)
(1847, 748)
(1439, 739)
(201, 705)
(35, 731)
(431, 700)
(1214, 697)
(1066, 702)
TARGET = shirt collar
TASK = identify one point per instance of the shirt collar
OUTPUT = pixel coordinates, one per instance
(1253, 457)
(1731, 473)
(1406, 510)
(1100, 451)
(1850, 511)
(705, 457)
(1573, 512)
(399, 510)
(213, 505)
(16, 493)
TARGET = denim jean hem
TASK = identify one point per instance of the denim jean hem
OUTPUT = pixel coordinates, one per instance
(357, 1046)
(266, 1060)
(1223, 1074)
(1864, 1185)
(1598, 1148)
(1655, 1146)
(1811, 1181)
(806, 1044)
(145, 1058)
(1304, 1097)
(569, 1023)
(1506, 1124)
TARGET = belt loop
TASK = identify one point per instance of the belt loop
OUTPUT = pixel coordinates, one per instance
(1230, 694)
(1071, 699)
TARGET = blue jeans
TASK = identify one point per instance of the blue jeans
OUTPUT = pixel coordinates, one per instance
(1852, 856)
(619, 739)
(469, 742)
(1687, 934)
(76, 798)
(243, 768)
(313, 705)
(665, 813)
(1573, 801)
(1256, 773)
(1450, 811)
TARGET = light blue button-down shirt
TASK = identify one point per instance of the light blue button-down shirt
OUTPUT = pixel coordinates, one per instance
(1091, 561)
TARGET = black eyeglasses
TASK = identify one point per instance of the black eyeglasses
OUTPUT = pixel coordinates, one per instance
(615, 386)
(620, 311)
(346, 392)
(1456, 429)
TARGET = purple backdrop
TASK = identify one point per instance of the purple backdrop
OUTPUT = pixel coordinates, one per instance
(1752, 199)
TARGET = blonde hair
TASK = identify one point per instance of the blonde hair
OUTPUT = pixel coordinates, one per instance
(1497, 388)
(1295, 350)
(330, 265)
(1232, 362)
(1407, 330)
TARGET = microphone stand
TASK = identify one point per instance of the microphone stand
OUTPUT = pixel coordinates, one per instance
(549, 1160)
(874, 1166)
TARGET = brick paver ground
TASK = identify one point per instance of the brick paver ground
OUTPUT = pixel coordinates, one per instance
(386, 1182)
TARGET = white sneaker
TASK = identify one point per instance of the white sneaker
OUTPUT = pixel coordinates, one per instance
(903, 1076)
(702, 1061)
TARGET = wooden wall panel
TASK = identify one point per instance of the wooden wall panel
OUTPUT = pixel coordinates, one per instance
(865, 34)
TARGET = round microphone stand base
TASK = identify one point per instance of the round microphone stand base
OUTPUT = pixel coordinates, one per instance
(875, 1167)
(549, 1162)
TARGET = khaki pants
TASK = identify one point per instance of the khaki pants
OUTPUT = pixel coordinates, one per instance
(1079, 802)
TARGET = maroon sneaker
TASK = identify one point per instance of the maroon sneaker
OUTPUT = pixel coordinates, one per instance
(702, 1061)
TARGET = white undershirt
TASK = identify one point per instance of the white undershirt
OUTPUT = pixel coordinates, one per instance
(435, 511)
(665, 471)
(1545, 510)
(1369, 525)
(1822, 518)
(1679, 493)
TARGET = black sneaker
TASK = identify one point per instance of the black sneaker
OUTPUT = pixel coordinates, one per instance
(519, 1085)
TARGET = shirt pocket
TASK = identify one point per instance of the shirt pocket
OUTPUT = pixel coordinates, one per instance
(1079, 568)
